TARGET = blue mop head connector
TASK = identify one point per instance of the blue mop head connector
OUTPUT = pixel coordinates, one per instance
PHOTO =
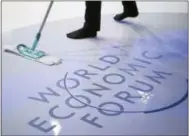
(31, 52)
(36, 41)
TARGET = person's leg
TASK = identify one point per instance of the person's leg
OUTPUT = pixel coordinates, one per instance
(129, 10)
(92, 21)
(93, 15)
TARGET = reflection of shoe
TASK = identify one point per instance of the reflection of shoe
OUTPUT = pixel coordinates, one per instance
(124, 15)
(81, 34)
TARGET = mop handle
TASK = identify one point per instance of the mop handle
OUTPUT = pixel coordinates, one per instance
(38, 35)
(46, 15)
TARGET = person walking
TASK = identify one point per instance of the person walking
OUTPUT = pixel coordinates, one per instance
(93, 18)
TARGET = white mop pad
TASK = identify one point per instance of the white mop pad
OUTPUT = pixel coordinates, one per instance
(47, 59)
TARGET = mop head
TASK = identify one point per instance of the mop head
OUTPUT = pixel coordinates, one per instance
(35, 55)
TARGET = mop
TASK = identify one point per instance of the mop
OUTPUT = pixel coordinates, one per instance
(31, 53)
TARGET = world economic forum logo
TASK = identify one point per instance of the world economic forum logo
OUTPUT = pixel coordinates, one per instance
(148, 77)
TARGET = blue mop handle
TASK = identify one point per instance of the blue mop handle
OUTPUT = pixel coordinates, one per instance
(36, 41)
(42, 25)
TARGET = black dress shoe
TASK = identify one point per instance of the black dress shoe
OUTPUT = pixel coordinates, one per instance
(82, 33)
(121, 16)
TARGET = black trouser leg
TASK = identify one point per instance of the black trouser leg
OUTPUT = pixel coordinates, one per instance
(130, 7)
(93, 15)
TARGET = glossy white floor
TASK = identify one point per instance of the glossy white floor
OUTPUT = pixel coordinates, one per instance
(130, 80)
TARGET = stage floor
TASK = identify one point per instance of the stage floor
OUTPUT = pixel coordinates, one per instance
(130, 80)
